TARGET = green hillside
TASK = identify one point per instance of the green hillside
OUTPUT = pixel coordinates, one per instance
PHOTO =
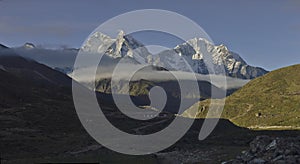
(271, 101)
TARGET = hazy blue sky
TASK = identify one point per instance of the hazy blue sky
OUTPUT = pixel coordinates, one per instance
(265, 33)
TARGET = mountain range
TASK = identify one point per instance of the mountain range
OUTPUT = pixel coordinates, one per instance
(191, 56)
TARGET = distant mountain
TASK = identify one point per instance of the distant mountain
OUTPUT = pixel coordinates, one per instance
(270, 101)
(29, 46)
(193, 51)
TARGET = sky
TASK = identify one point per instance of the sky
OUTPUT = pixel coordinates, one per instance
(264, 33)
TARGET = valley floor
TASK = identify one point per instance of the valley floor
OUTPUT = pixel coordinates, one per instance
(34, 145)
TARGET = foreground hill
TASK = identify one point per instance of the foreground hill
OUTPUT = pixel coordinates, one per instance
(271, 101)
(26, 80)
(36, 110)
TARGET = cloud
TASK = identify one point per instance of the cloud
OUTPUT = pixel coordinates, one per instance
(84, 75)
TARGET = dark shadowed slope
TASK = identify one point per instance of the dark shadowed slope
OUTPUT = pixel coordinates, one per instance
(36, 110)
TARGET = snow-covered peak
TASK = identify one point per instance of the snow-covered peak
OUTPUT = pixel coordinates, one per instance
(196, 41)
(196, 48)
(199, 51)
(29, 46)
(97, 43)
(121, 34)
(122, 46)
